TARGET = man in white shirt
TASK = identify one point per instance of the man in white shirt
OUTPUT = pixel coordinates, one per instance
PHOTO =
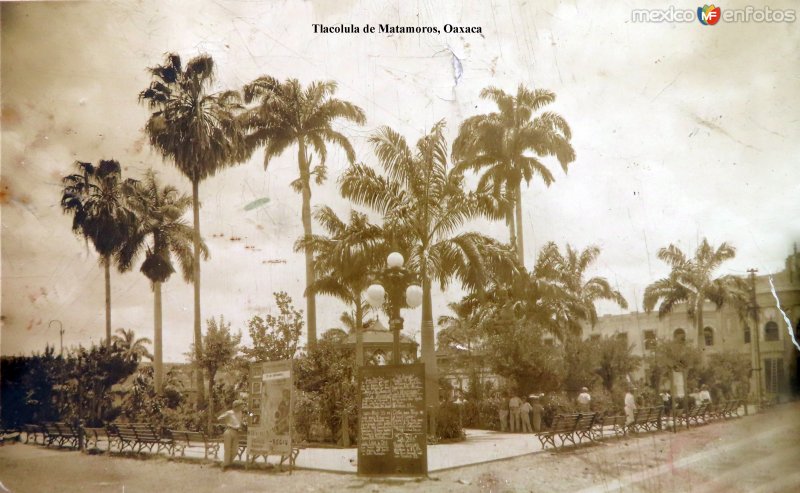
(232, 419)
(525, 414)
(630, 406)
(513, 407)
(704, 396)
(584, 399)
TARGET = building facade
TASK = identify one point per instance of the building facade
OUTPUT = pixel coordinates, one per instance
(774, 353)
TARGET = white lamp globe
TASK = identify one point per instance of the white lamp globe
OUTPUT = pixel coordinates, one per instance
(375, 295)
(395, 260)
(413, 296)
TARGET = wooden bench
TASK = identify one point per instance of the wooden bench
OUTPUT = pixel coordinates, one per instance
(93, 436)
(646, 419)
(563, 428)
(35, 433)
(140, 436)
(617, 424)
(732, 409)
(693, 415)
(585, 426)
(250, 458)
(9, 435)
(61, 434)
(183, 439)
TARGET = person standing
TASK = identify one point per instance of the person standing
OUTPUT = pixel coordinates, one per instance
(630, 406)
(503, 412)
(513, 409)
(704, 396)
(666, 398)
(536, 413)
(584, 400)
(525, 415)
(233, 420)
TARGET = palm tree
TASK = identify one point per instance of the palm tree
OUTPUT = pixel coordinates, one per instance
(135, 349)
(509, 143)
(287, 114)
(345, 261)
(582, 295)
(691, 281)
(160, 233)
(94, 197)
(423, 204)
(200, 133)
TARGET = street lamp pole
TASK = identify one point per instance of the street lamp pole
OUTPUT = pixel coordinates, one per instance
(60, 332)
(755, 334)
(396, 281)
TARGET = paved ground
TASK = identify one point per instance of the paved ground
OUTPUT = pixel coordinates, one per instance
(756, 453)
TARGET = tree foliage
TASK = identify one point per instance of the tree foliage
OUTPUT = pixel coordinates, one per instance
(275, 337)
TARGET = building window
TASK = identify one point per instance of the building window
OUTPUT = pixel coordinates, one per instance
(771, 331)
(773, 375)
(679, 335)
(649, 339)
(622, 336)
(708, 336)
(747, 334)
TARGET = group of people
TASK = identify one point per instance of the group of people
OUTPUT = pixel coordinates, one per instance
(520, 415)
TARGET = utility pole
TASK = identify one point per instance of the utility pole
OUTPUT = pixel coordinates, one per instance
(756, 333)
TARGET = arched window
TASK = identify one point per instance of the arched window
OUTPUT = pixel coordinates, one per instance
(679, 335)
(771, 331)
(708, 336)
(747, 334)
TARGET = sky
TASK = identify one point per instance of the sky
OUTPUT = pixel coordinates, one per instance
(682, 131)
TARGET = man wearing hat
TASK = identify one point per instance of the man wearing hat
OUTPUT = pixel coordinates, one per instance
(233, 420)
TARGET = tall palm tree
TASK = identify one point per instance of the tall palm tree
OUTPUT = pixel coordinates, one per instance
(569, 270)
(344, 262)
(160, 233)
(509, 143)
(287, 114)
(200, 133)
(692, 281)
(95, 199)
(135, 348)
(423, 203)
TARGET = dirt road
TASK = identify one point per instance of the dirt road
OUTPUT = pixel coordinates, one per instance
(756, 453)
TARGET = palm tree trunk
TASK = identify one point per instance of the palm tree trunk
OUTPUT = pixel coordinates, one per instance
(512, 236)
(311, 301)
(359, 334)
(518, 210)
(157, 356)
(198, 335)
(429, 355)
(107, 269)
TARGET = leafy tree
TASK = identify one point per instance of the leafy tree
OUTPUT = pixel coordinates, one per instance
(615, 360)
(220, 349)
(288, 114)
(275, 338)
(423, 204)
(691, 281)
(200, 133)
(135, 349)
(326, 373)
(461, 336)
(94, 198)
(728, 374)
(671, 355)
(580, 364)
(161, 233)
(345, 261)
(509, 144)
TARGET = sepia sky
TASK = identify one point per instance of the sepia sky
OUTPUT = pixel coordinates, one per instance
(681, 131)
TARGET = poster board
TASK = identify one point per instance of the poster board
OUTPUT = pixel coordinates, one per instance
(270, 403)
(392, 432)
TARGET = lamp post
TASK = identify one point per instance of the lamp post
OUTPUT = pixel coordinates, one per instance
(394, 282)
(755, 335)
(60, 332)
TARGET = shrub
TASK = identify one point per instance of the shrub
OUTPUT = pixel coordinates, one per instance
(448, 422)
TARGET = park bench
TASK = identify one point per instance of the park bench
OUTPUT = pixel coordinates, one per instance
(563, 428)
(9, 435)
(61, 434)
(140, 436)
(646, 419)
(183, 439)
(251, 458)
(585, 425)
(693, 415)
(731, 410)
(617, 424)
(93, 436)
(35, 433)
